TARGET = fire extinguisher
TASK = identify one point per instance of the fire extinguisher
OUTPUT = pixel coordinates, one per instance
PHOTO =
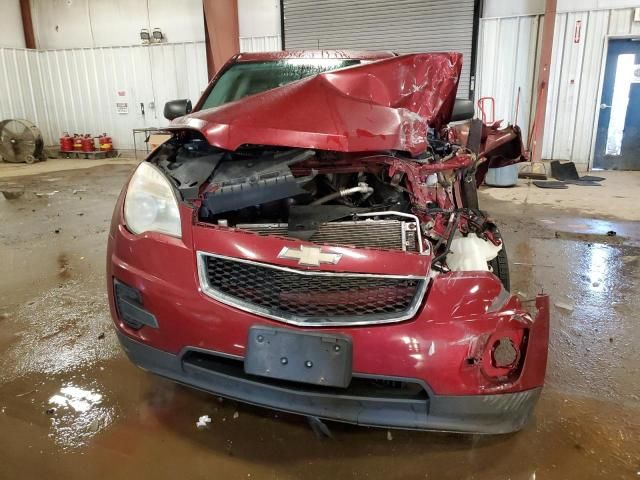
(88, 144)
(66, 143)
(77, 142)
(106, 144)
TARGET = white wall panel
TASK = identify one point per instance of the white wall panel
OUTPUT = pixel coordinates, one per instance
(572, 109)
(11, 32)
(104, 23)
(271, 43)
(506, 63)
(258, 18)
(589, 84)
(569, 85)
(620, 22)
(554, 86)
(20, 92)
(75, 90)
(576, 72)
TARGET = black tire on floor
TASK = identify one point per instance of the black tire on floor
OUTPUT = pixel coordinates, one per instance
(500, 265)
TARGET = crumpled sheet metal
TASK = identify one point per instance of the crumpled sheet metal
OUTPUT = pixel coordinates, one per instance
(382, 105)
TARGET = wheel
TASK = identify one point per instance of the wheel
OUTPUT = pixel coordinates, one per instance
(29, 159)
(500, 265)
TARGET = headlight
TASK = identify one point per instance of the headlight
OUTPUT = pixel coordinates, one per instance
(150, 204)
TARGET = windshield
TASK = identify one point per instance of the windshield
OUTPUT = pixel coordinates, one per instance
(248, 78)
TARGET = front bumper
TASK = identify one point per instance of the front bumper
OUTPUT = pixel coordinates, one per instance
(486, 414)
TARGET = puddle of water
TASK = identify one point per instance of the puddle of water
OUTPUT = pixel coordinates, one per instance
(77, 414)
(58, 331)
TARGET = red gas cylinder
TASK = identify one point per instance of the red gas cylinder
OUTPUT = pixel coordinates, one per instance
(66, 143)
(88, 145)
(106, 144)
(77, 142)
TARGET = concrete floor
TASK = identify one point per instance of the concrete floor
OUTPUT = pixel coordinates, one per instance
(112, 420)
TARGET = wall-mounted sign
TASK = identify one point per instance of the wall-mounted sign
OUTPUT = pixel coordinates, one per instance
(122, 107)
(577, 32)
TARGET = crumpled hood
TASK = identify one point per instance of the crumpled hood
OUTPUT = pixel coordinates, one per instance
(383, 105)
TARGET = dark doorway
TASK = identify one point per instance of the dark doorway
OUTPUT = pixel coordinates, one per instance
(618, 135)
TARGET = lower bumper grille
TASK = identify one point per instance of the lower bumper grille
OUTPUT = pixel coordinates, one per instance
(308, 298)
(369, 387)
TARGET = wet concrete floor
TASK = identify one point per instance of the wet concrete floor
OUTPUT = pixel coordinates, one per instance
(72, 406)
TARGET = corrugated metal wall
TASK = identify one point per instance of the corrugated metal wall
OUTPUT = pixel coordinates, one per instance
(575, 80)
(75, 90)
(505, 62)
(21, 83)
(403, 26)
(269, 43)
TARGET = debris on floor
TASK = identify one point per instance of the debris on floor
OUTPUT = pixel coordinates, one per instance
(564, 306)
(46, 194)
(25, 393)
(533, 171)
(203, 421)
(550, 184)
(566, 174)
(389, 435)
(319, 428)
(522, 264)
(13, 193)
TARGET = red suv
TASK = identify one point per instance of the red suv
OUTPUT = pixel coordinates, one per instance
(309, 240)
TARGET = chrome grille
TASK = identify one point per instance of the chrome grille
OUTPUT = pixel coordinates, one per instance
(388, 234)
(309, 298)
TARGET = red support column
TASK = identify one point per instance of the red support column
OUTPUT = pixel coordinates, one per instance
(543, 80)
(222, 33)
(27, 24)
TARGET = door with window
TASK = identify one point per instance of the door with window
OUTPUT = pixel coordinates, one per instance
(618, 135)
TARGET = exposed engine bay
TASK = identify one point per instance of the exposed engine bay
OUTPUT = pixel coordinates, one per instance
(425, 205)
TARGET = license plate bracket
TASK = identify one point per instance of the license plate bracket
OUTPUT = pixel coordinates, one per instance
(315, 358)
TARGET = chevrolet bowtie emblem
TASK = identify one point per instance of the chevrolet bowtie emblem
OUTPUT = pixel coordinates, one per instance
(310, 256)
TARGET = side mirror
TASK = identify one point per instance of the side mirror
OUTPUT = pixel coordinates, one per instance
(177, 108)
(462, 110)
